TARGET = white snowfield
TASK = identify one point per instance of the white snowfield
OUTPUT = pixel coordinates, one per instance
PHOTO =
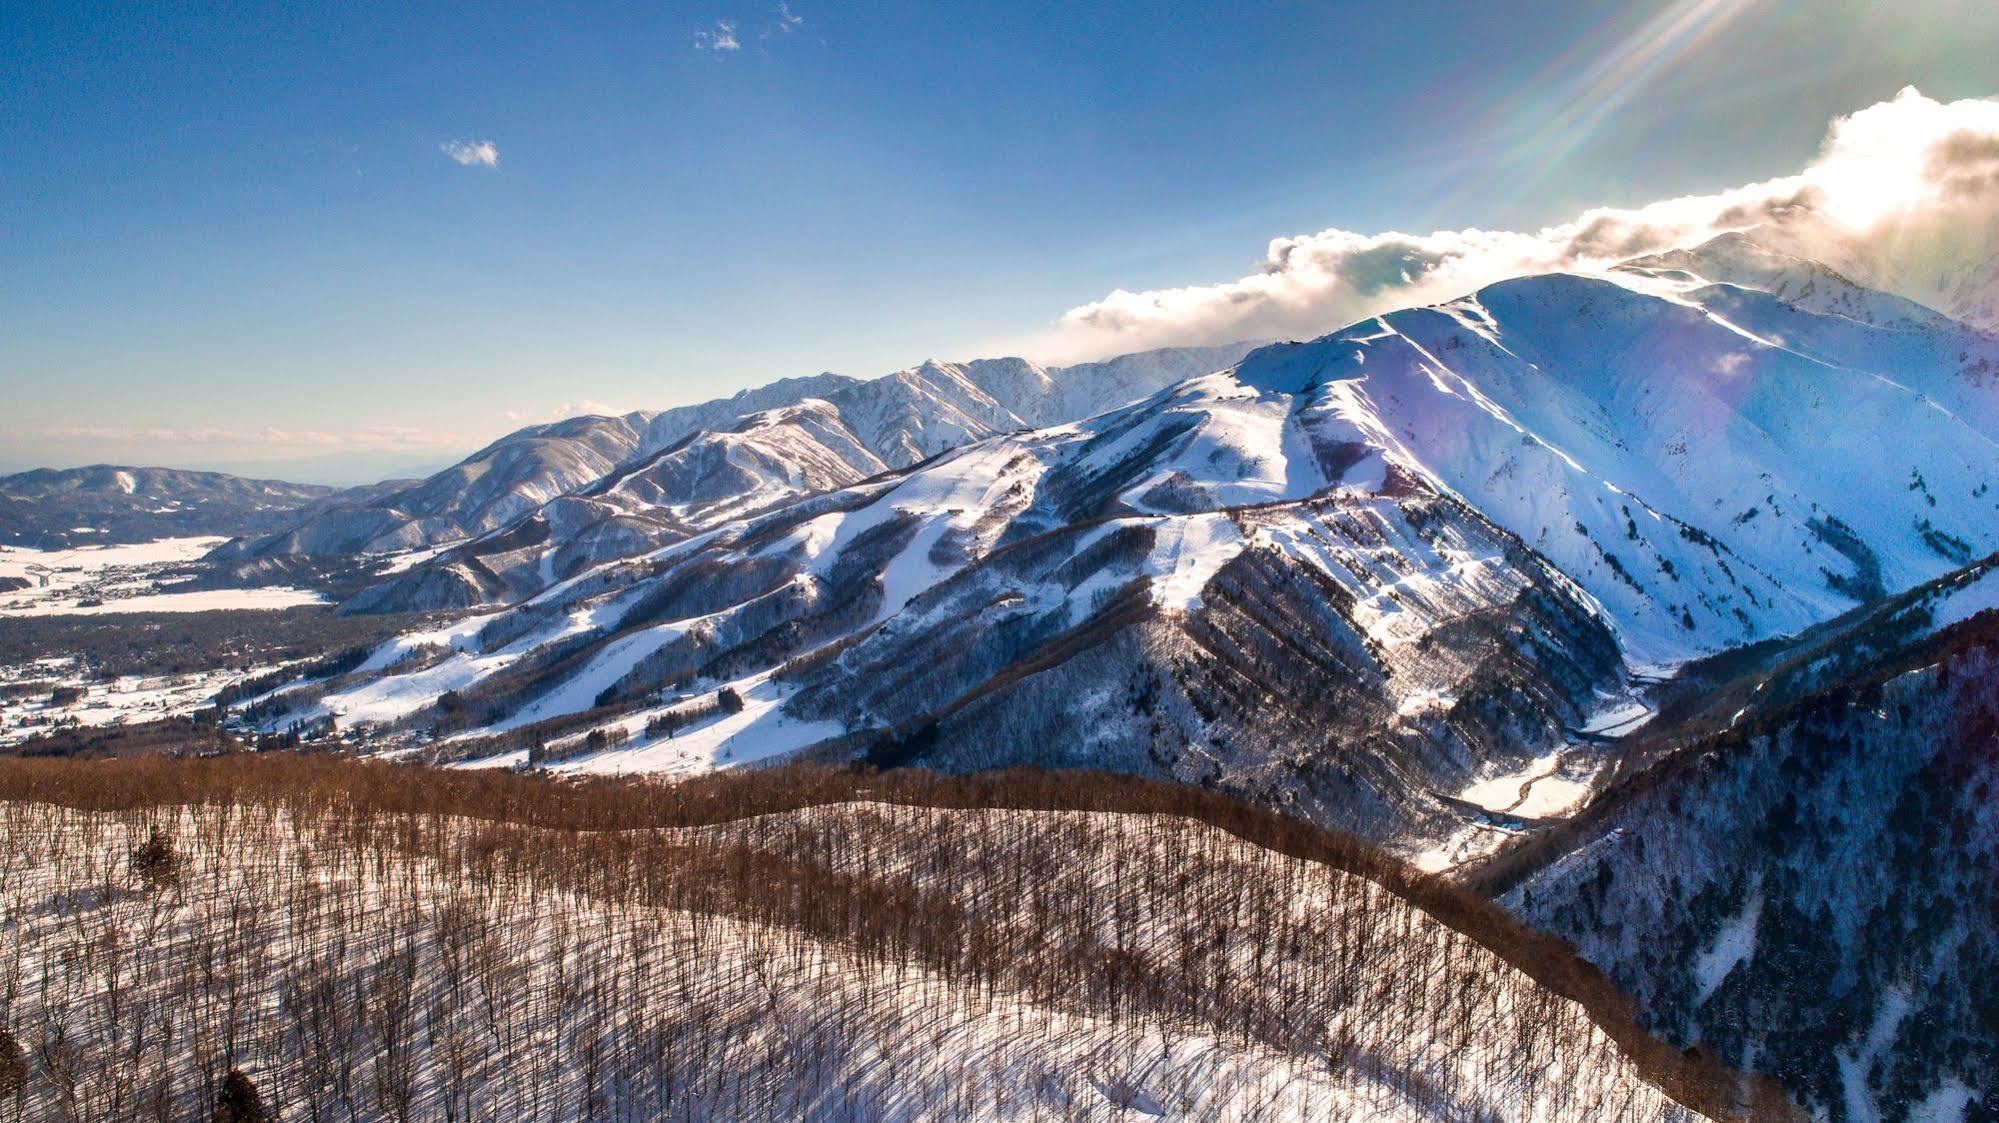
(1697, 443)
(351, 979)
(95, 580)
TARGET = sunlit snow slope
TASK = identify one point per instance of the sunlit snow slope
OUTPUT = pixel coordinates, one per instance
(1348, 576)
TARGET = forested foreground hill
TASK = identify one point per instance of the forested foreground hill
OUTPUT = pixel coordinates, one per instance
(328, 940)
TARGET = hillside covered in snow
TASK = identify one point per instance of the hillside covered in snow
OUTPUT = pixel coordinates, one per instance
(1809, 889)
(541, 502)
(365, 942)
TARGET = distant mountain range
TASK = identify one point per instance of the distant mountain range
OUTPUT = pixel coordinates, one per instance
(545, 501)
(55, 507)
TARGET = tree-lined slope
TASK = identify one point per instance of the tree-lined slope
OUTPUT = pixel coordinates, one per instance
(360, 950)
(1811, 890)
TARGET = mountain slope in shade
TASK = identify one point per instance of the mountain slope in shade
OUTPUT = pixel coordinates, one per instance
(708, 475)
(1809, 890)
(52, 508)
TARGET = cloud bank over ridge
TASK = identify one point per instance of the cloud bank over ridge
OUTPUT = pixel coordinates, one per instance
(1903, 196)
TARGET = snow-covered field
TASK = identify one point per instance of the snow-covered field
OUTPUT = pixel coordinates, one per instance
(373, 976)
(1551, 787)
(122, 700)
(1537, 791)
(92, 580)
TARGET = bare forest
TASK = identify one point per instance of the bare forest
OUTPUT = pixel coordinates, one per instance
(314, 939)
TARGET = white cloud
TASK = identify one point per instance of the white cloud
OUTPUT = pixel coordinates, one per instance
(1904, 195)
(376, 438)
(472, 153)
(344, 456)
(786, 22)
(587, 407)
(722, 38)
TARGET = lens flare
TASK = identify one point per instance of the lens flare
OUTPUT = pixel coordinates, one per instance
(1570, 100)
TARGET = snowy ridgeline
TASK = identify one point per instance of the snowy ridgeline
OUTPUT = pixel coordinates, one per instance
(852, 962)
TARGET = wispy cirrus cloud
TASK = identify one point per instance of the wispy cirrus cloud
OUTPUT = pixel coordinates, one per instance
(727, 35)
(722, 37)
(472, 153)
(1903, 196)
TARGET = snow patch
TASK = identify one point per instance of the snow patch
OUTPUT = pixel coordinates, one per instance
(1733, 943)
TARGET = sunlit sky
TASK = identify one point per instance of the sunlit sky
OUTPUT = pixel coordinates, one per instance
(340, 244)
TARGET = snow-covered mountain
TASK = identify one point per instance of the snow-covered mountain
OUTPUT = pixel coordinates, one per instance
(902, 417)
(52, 508)
(1948, 267)
(1349, 576)
(1157, 610)
(1706, 459)
(691, 469)
(1739, 259)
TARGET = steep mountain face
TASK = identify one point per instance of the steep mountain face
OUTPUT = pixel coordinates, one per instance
(1706, 460)
(701, 477)
(51, 508)
(1811, 892)
(1349, 577)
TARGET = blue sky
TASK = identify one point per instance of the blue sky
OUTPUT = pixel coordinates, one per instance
(235, 237)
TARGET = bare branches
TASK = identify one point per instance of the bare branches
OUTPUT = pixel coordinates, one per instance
(374, 943)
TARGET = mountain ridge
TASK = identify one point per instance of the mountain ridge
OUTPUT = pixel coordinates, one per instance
(765, 457)
(119, 503)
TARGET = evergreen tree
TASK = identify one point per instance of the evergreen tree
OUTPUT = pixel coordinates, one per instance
(13, 1069)
(155, 861)
(238, 1101)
